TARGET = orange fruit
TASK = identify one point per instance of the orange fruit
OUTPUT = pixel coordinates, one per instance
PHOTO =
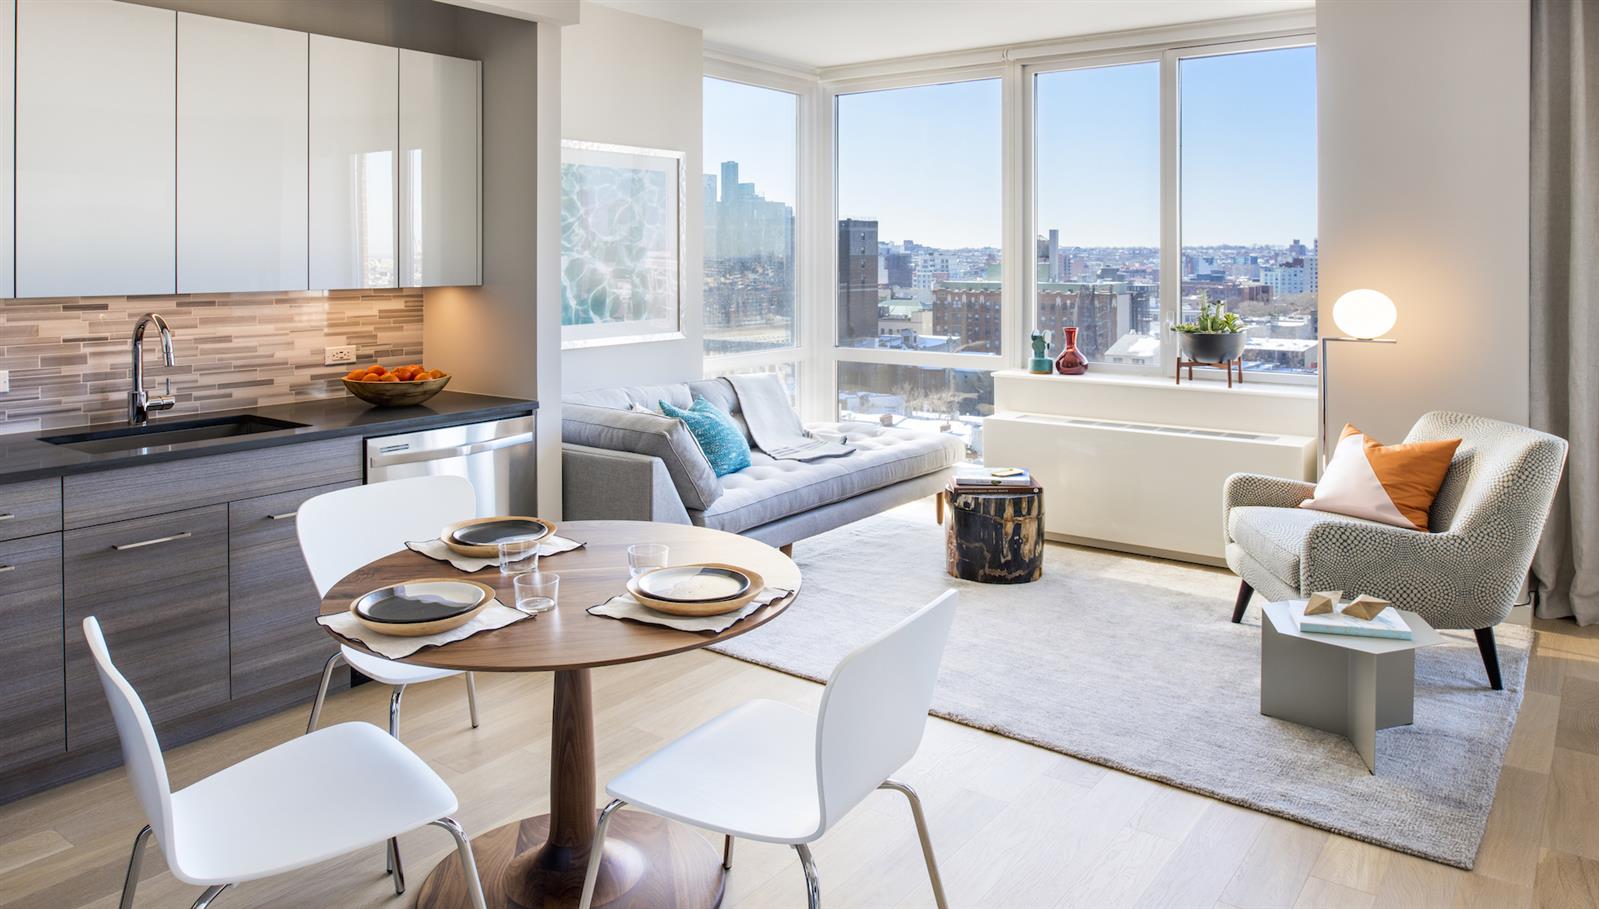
(391, 377)
(377, 370)
(355, 375)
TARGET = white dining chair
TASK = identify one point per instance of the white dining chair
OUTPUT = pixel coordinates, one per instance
(308, 800)
(774, 773)
(343, 530)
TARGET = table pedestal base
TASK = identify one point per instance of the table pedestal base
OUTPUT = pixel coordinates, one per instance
(650, 863)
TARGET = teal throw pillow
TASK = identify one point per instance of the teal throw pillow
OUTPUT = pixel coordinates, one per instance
(719, 437)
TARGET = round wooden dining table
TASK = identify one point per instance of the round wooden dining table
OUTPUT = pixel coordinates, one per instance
(540, 861)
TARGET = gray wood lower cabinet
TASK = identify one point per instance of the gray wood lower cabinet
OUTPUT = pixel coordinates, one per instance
(272, 600)
(32, 707)
(159, 587)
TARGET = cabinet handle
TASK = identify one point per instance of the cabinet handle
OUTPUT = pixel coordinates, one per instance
(282, 517)
(6, 568)
(7, 516)
(177, 536)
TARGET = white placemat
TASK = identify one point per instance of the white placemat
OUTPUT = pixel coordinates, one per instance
(493, 616)
(623, 606)
(437, 549)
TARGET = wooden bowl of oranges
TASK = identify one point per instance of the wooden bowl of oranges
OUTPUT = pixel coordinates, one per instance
(402, 386)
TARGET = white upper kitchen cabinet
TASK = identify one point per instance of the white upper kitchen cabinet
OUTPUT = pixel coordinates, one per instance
(8, 137)
(355, 127)
(242, 157)
(440, 132)
(95, 148)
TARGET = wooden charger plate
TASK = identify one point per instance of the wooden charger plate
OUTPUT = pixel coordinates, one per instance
(418, 629)
(447, 535)
(708, 607)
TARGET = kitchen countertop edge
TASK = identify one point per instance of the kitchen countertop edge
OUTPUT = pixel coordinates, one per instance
(24, 457)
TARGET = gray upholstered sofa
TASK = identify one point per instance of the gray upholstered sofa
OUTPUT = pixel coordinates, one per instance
(622, 464)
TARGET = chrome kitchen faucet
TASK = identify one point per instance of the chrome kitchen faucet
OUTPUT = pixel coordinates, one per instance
(139, 401)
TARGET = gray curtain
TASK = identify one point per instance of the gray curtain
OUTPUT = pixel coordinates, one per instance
(1565, 295)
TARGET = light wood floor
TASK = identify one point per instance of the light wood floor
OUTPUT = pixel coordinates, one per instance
(1014, 825)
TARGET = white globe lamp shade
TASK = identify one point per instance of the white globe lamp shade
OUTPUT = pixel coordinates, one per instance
(1365, 314)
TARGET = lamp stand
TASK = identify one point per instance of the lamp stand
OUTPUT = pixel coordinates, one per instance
(1321, 384)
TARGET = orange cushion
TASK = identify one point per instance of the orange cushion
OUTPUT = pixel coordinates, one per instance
(1394, 484)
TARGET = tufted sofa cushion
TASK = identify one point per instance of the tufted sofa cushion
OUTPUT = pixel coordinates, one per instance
(618, 429)
(769, 490)
(682, 394)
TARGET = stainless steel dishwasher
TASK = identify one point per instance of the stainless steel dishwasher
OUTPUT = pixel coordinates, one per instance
(497, 456)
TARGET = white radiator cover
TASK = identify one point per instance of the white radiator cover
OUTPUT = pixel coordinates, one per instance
(1139, 486)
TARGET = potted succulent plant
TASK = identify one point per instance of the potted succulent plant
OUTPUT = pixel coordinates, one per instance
(1216, 336)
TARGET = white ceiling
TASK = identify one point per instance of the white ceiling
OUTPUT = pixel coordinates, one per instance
(820, 33)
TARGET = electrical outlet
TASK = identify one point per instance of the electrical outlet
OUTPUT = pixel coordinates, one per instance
(336, 356)
(5, 380)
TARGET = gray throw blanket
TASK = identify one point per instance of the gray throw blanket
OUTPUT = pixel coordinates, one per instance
(774, 425)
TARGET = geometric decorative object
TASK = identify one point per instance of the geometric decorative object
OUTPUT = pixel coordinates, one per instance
(623, 225)
(1322, 602)
(1365, 607)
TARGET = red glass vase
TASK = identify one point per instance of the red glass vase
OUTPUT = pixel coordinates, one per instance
(1071, 361)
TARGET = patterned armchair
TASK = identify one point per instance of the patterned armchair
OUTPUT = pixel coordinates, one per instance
(1466, 573)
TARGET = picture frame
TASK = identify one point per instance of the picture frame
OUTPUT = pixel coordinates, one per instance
(623, 234)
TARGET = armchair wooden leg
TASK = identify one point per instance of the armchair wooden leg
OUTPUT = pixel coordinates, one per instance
(787, 550)
(1244, 593)
(1490, 657)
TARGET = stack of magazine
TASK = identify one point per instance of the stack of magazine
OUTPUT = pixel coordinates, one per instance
(976, 476)
(1386, 624)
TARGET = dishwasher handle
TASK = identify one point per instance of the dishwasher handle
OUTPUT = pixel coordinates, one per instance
(459, 451)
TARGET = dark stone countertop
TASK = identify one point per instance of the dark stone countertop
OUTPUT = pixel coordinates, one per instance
(24, 457)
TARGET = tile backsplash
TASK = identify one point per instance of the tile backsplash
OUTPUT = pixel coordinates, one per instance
(69, 358)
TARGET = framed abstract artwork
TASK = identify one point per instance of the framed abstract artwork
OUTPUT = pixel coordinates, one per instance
(622, 235)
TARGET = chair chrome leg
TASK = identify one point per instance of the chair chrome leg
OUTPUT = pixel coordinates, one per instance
(813, 885)
(727, 852)
(131, 882)
(322, 690)
(394, 710)
(393, 858)
(921, 832)
(210, 894)
(471, 697)
(394, 867)
(474, 887)
(596, 852)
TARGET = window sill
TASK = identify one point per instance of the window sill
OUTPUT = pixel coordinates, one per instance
(1259, 407)
(1166, 384)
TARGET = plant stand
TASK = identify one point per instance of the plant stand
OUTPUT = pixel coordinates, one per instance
(1225, 364)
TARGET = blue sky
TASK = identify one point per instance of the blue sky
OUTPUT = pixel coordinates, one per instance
(925, 161)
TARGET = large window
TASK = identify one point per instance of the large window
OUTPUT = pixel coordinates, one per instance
(1249, 198)
(749, 156)
(1096, 180)
(919, 223)
(1242, 140)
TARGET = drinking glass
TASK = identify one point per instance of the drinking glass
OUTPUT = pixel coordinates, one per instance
(518, 556)
(536, 591)
(642, 557)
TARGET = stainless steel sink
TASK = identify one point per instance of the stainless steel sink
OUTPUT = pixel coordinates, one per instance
(160, 435)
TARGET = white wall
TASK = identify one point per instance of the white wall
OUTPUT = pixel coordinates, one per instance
(632, 80)
(1423, 146)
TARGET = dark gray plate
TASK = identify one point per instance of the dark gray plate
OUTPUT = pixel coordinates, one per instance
(694, 584)
(493, 533)
(418, 601)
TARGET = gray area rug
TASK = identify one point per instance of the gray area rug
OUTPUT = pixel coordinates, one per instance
(1132, 663)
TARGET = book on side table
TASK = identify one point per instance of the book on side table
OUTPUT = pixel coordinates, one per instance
(976, 476)
(1385, 624)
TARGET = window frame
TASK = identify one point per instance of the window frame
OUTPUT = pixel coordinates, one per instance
(1169, 57)
(805, 92)
(831, 355)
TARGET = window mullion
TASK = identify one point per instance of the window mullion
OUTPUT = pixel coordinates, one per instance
(1170, 210)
